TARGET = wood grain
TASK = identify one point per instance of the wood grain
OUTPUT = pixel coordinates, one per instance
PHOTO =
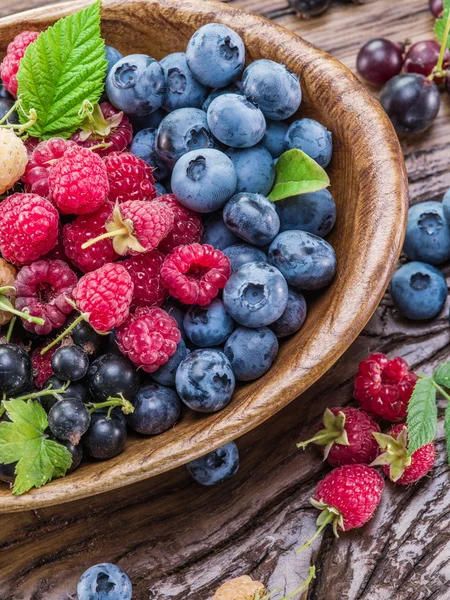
(368, 183)
(179, 541)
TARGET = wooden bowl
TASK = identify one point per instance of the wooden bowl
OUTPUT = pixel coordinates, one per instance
(370, 187)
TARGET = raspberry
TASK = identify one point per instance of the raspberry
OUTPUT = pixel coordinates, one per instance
(105, 296)
(84, 228)
(78, 183)
(106, 125)
(43, 289)
(187, 225)
(13, 159)
(42, 157)
(58, 252)
(136, 227)
(42, 366)
(347, 437)
(240, 588)
(397, 465)
(10, 64)
(195, 273)
(7, 278)
(144, 270)
(149, 338)
(28, 228)
(130, 177)
(384, 387)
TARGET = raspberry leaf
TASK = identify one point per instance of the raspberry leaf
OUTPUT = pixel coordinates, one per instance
(422, 414)
(441, 374)
(297, 173)
(440, 24)
(62, 70)
(23, 441)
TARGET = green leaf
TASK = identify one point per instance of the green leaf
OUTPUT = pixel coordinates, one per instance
(441, 375)
(297, 173)
(23, 441)
(447, 430)
(422, 415)
(439, 25)
(62, 69)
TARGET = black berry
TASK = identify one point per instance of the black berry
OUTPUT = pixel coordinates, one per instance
(111, 375)
(379, 60)
(105, 437)
(16, 373)
(69, 419)
(70, 363)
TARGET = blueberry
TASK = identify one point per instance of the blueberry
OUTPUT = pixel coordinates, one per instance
(165, 375)
(216, 55)
(312, 138)
(251, 352)
(105, 438)
(112, 56)
(183, 90)
(5, 106)
(252, 217)
(314, 212)
(156, 409)
(136, 84)
(255, 170)
(234, 88)
(4, 92)
(204, 180)
(256, 294)
(446, 206)
(293, 317)
(418, 290)
(307, 261)
(241, 254)
(180, 132)
(144, 146)
(15, 370)
(208, 326)
(274, 88)
(110, 375)
(70, 363)
(427, 233)
(174, 310)
(235, 121)
(274, 138)
(160, 189)
(150, 121)
(216, 466)
(104, 582)
(205, 381)
(216, 233)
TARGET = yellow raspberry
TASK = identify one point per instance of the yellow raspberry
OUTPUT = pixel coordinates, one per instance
(7, 278)
(241, 588)
(13, 159)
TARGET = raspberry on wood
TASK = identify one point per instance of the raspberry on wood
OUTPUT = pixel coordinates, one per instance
(11, 62)
(187, 226)
(195, 273)
(130, 178)
(28, 228)
(145, 272)
(42, 157)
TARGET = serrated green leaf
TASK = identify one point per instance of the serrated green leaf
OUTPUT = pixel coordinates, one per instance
(63, 68)
(439, 25)
(422, 415)
(297, 173)
(447, 430)
(23, 441)
(441, 375)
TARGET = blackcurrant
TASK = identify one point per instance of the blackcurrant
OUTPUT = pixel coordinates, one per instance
(436, 7)
(16, 373)
(7, 474)
(69, 419)
(74, 390)
(379, 60)
(422, 57)
(105, 437)
(70, 363)
(111, 375)
(75, 451)
(411, 102)
(87, 338)
(309, 8)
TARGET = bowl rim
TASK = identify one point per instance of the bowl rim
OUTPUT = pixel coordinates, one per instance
(340, 334)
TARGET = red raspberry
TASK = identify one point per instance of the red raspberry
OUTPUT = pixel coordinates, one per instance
(136, 227)
(78, 182)
(187, 225)
(106, 125)
(149, 338)
(58, 252)
(130, 177)
(28, 228)
(42, 157)
(105, 296)
(42, 365)
(347, 437)
(195, 273)
(11, 62)
(397, 465)
(144, 270)
(84, 228)
(43, 289)
(384, 387)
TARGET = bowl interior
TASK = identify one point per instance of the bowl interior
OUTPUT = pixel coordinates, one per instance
(369, 185)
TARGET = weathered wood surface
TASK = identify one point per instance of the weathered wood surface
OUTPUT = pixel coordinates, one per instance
(178, 542)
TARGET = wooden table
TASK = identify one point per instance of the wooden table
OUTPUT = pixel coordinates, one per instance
(180, 542)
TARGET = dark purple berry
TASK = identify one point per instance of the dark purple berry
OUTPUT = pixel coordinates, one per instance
(379, 60)
(422, 57)
(70, 363)
(69, 419)
(105, 437)
(309, 8)
(436, 7)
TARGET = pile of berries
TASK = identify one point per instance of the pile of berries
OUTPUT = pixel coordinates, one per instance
(142, 258)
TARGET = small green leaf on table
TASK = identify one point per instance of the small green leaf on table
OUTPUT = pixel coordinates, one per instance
(441, 374)
(297, 173)
(422, 415)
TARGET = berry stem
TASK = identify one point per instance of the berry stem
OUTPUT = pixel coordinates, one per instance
(6, 305)
(104, 236)
(304, 586)
(10, 112)
(63, 334)
(438, 70)
(329, 519)
(327, 437)
(10, 329)
(46, 392)
(111, 403)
